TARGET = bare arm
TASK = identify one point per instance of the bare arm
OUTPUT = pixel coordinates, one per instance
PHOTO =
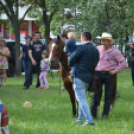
(130, 45)
(30, 54)
(31, 57)
(8, 54)
(21, 55)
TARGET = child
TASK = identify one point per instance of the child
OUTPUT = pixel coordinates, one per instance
(45, 67)
(70, 46)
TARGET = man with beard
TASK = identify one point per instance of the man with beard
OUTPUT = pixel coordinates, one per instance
(35, 49)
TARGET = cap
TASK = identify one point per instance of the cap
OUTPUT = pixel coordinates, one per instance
(28, 37)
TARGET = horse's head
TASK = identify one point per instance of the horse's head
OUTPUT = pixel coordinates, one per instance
(56, 47)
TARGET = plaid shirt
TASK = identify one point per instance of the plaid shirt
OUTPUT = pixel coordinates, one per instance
(83, 59)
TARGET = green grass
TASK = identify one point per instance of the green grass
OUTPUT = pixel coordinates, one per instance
(52, 114)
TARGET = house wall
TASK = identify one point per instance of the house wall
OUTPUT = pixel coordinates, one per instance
(27, 28)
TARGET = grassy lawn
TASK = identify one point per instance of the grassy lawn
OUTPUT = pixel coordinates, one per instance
(52, 114)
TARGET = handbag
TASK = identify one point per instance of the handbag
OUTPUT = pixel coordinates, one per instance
(95, 85)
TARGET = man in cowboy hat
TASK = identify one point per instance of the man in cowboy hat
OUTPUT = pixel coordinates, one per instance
(111, 62)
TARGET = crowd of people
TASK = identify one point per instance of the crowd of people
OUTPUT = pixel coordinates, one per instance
(108, 62)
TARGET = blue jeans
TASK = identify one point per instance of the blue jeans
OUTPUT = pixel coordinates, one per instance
(25, 65)
(132, 69)
(73, 70)
(80, 89)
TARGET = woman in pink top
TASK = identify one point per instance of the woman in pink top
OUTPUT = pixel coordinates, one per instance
(4, 53)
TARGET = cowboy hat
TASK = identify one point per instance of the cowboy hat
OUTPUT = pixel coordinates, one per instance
(106, 36)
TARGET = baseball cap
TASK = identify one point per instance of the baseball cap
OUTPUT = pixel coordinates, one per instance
(28, 37)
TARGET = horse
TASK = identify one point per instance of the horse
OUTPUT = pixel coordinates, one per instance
(56, 47)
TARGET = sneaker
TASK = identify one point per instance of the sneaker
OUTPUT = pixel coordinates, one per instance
(71, 78)
(88, 124)
(4, 84)
(77, 122)
(25, 87)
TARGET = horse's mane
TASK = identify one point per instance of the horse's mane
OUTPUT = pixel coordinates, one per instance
(54, 40)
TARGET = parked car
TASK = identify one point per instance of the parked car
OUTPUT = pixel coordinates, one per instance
(4, 129)
(11, 60)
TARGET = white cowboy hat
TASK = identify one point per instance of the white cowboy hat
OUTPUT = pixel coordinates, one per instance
(106, 36)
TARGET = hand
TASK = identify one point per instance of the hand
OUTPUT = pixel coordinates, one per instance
(34, 62)
(20, 58)
(112, 72)
(129, 43)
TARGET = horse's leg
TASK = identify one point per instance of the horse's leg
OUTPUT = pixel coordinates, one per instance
(70, 90)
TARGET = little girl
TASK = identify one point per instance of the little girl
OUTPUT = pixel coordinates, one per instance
(45, 67)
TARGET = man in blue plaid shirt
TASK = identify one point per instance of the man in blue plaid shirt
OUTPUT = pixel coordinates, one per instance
(83, 59)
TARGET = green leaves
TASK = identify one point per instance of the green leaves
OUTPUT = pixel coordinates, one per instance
(111, 16)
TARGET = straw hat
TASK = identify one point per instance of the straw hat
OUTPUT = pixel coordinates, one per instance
(106, 36)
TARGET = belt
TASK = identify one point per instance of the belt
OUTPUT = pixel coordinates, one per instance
(103, 72)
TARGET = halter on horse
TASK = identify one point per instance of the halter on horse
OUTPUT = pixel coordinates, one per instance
(56, 47)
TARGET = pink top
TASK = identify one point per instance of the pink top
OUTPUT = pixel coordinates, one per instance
(110, 60)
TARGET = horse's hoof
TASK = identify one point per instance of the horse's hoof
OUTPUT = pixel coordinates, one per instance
(74, 116)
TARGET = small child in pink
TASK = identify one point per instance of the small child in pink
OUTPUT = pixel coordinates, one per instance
(45, 68)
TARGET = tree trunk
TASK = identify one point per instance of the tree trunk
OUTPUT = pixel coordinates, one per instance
(17, 49)
(47, 34)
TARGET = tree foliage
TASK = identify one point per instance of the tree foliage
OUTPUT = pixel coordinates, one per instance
(114, 16)
(52, 14)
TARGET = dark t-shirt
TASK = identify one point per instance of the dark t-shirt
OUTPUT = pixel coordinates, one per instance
(25, 50)
(37, 48)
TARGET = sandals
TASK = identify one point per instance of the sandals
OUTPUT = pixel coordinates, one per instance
(40, 87)
(46, 88)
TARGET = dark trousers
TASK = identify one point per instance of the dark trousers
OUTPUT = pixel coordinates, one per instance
(26, 65)
(108, 81)
(132, 69)
(30, 72)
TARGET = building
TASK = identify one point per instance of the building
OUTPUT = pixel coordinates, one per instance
(28, 27)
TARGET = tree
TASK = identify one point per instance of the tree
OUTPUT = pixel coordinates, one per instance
(11, 8)
(52, 14)
(112, 16)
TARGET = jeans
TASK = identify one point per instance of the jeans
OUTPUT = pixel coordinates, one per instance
(132, 69)
(80, 89)
(25, 65)
(108, 80)
(30, 72)
(73, 70)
